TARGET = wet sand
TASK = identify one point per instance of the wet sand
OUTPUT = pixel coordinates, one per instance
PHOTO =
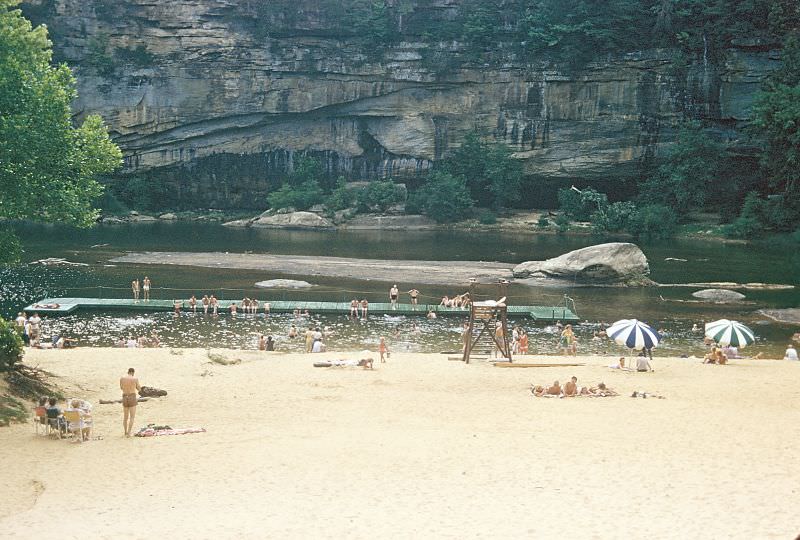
(421, 447)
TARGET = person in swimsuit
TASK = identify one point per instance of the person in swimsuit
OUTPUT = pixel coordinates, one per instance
(364, 307)
(293, 331)
(129, 385)
(254, 306)
(214, 304)
(232, 308)
(135, 289)
(262, 343)
(146, 288)
(354, 308)
(383, 350)
(193, 304)
(270, 344)
(205, 304)
(176, 306)
(414, 294)
(393, 292)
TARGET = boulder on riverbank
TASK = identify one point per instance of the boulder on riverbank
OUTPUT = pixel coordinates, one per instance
(615, 263)
(720, 296)
(283, 284)
(292, 220)
(787, 316)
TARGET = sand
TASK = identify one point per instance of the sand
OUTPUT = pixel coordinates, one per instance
(422, 447)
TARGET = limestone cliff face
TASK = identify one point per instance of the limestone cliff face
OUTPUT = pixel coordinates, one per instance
(196, 97)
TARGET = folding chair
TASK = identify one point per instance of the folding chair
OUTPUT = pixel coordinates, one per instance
(75, 423)
(40, 419)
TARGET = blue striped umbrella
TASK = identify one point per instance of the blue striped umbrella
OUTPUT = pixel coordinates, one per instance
(633, 334)
(726, 332)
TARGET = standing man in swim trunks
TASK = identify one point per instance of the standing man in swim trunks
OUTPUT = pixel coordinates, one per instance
(393, 292)
(414, 293)
(135, 289)
(146, 288)
(129, 386)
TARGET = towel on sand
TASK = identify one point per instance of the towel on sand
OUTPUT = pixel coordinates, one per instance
(152, 430)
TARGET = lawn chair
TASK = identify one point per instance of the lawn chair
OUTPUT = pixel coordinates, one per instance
(76, 424)
(40, 419)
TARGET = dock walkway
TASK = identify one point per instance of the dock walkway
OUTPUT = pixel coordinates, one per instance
(64, 306)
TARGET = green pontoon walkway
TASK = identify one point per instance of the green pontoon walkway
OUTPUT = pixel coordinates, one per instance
(58, 306)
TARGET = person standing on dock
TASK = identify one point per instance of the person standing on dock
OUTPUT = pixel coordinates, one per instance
(414, 294)
(146, 288)
(393, 293)
(129, 385)
(135, 290)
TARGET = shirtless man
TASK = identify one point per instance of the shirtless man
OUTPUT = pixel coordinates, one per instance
(214, 303)
(205, 304)
(146, 288)
(354, 308)
(193, 303)
(232, 308)
(135, 289)
(393, 293)
(414, 293)
(554, 390)
(571, 388)
(364, 308)
(129, 386)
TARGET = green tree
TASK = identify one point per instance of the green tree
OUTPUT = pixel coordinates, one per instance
(444, 197)
(302, 187)
(690, 169)
(48, 167)
(776, 119)
(492, 175)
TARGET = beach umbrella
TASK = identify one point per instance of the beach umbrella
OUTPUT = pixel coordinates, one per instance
(633, 334)
(726, 333)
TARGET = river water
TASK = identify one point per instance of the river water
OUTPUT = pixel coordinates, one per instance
(701, 261)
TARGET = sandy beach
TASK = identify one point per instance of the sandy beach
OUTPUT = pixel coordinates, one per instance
(421, 447)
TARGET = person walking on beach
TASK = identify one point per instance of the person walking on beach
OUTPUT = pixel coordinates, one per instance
(129, 385)
(393, 292)
(135, 290)
(146, 288)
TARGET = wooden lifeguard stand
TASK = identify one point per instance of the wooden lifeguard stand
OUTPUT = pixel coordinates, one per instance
(486, 320)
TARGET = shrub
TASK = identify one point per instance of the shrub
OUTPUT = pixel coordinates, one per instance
(380, 195)
(445, 198)
(301, 197)
(653, 222)
(487, 217)
(342, 197)
(11, 350)
(580, 205)
(562, 222)
(614, 217)
(751, 219)
(543, 222)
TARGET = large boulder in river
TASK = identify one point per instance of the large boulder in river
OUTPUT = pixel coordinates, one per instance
(722, 296)
(294, 220)
(616, 263)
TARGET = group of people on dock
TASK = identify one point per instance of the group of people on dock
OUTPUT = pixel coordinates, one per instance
(144, 288)
(457, 301)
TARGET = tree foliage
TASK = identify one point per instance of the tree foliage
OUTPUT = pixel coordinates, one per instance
(11, 348)
(444, 197)
(492, 175)
(48, 167)
(691, 167)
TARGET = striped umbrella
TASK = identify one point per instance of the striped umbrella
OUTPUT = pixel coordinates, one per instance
(633, 334)
(726, 333)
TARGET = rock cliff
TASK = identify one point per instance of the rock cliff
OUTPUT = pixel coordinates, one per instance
(203, 96)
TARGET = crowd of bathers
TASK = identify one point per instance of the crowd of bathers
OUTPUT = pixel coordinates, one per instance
(457, 301)
(571, 389)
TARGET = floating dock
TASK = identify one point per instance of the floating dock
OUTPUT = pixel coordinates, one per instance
(65, 306)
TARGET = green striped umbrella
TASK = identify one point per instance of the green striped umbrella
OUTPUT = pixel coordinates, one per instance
(726, 332)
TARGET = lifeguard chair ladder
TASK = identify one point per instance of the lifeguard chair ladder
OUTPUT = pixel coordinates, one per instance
(485, 316)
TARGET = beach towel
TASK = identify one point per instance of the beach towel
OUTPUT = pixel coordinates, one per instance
(152, 430)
